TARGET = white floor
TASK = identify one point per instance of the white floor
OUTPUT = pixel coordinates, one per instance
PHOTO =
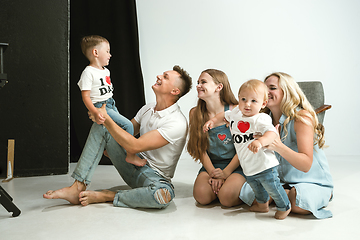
(183, 219)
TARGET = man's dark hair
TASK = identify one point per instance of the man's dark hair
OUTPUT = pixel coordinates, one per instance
(186, 80)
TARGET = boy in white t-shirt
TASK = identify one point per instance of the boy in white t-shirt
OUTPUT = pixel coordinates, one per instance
(95, 84)
(259, 164)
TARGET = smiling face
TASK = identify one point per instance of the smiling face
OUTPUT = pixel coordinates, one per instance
(206, 86)
(167, 83)
(251, 102)
(276, 94)
(103, 53)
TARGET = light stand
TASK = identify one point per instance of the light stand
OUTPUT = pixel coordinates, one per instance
(5, 198)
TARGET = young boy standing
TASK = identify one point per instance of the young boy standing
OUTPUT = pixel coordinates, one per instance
(95, 84)
(96, 87)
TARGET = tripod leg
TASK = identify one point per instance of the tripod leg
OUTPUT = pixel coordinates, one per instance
(6, 201)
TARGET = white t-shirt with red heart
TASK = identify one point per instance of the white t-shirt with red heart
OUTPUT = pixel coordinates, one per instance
(98, 82)
(243, 130)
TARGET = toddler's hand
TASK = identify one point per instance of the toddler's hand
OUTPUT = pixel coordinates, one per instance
(208, 125)
(255, 146)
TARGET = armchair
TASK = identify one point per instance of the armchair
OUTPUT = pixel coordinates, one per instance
(314, 92)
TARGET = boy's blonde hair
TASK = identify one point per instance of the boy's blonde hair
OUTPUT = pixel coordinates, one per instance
(257, 86)
(89, 42)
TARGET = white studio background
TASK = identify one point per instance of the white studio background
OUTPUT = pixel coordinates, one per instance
(308, 39)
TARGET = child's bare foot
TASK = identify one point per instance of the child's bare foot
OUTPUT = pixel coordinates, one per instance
(89, 197)
(70, 194)
(260, 207)
(282, 214)
(134, 159)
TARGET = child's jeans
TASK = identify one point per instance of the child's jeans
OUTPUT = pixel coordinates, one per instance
(113, 112)
(268, 183)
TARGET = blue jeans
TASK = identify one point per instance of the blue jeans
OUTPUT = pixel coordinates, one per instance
(268, 183)
(145, 182)
(113, 112)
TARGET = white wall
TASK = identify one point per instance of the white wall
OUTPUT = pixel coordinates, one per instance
(309, 39)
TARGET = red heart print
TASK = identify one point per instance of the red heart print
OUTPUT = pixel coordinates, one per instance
(221, 136)
(243, 126)
(108, 80)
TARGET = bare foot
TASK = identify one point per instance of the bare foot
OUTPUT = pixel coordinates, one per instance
(282, 214)
(70, 194)
(89, 197)
(260, 207)
(134, 159)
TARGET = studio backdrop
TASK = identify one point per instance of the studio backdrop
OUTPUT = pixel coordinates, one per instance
(117, 22)
(41, 106)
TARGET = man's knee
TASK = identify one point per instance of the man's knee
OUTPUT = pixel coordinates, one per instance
(162, 196)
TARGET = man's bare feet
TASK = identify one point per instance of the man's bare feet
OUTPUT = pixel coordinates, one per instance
(70, 194)
(260, 207)
(89, 197)
(282, 214)
(134, 159)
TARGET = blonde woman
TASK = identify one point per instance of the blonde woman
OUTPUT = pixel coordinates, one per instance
(220, 176)
(303, 165)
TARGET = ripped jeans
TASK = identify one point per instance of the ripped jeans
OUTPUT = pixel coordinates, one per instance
(149, 188)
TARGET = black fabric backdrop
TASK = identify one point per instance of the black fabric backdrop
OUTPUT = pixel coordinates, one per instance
(116, 21)
(34, 102)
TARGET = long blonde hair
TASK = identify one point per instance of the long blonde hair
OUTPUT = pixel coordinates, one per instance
(295, 100)
(198, 140)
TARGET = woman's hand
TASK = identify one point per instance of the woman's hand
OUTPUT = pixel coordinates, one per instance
(276, 144)
(302, 159)
(217, 179)
(218, 174)
(216, 184)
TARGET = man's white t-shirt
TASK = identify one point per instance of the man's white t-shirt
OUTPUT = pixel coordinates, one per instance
(172, 125)
(98, 82)
(243, 130)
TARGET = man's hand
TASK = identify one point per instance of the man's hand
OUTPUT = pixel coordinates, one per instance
(100, 116)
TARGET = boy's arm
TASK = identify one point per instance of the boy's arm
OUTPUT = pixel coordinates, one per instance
(215, 120)
(85, 94)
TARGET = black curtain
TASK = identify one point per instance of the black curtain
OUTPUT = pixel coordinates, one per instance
(34, 102)
(115, 20)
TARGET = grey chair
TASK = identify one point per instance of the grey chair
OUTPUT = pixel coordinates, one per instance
(314, 92)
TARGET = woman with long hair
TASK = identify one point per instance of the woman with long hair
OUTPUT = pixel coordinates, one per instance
(303, 165)
(220, 176)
